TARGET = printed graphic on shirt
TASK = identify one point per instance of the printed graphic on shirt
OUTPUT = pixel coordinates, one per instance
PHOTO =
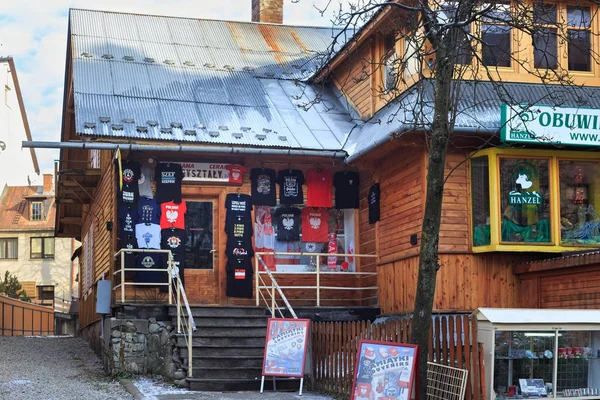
(240, 274)
(290, 186)
(288, 224)
(142, 179)
(148, 236)
(263, 184)
(173, 242)
(147, 262)
(263, 187)
(374, 206)
(128, 197)
(171, 216)
(167, 177)
(128, 175)
(235, 172)
(127, 220)
(237, 205)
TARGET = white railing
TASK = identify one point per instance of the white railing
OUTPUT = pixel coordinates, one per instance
(260, 284)
(62, 305)
(187, 326)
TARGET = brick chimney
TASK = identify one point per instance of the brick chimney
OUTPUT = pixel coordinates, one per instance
(267, 11)
(47, 183)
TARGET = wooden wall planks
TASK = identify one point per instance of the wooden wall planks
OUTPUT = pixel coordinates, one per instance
(354, 80)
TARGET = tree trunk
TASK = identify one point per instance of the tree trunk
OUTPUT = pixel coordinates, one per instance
(428, 255)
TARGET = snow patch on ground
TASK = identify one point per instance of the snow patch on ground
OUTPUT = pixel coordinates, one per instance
(50, 337)
(150, 388)
(20, 382)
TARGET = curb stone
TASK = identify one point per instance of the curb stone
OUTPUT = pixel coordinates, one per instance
(132, 389)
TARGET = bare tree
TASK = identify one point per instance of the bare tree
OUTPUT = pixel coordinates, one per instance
(453, 45)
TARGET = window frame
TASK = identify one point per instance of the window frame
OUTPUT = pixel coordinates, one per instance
(511, 39)
(5, 242)
(554, 156)
(33, 214)
(562, 45)
(43, 255)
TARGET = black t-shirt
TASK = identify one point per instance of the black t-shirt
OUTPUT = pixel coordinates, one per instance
(174, 240)
(127, 220)
(239, 281)
(239, 253)
(238, 205)
(288, 224)
(373, 199)
(347, 185)
(148, 211)
(168, 182)
(238, 226)
(150, 262)
(290, 186)
(263, 187)
(127, 241)
(129, 193)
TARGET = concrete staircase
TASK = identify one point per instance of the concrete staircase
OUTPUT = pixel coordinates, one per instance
(227, 347)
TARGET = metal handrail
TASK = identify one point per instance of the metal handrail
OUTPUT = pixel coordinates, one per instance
(274, 285)
(173, 276)
(317, 274)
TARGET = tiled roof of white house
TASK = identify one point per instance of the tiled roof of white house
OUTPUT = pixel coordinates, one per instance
(203, 81)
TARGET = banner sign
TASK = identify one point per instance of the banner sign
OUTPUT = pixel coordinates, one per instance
(210, 172)
(384, 370)
(550, 125)
(285, 347)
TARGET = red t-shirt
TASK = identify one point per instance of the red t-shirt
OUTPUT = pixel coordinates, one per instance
(235, 173)
(315, 224)
(319, 188)
(173, 215)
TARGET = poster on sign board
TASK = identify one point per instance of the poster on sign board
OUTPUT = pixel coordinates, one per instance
(285, 347)
(384, 371)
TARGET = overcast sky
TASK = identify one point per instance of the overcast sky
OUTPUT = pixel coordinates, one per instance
(34, 32)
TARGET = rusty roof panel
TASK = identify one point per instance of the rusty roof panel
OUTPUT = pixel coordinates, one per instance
(186, 31)
(15, 209)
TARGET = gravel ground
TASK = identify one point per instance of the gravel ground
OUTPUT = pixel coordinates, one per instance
(53, 368)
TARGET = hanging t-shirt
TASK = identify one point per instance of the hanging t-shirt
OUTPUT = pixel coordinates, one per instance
(174, 240)
(238, 204)
(290, 186)
(263, 187)
(236, 173)
(347, 192)
(168, 182)
(239, 226)
(148, 211)
(150, 261)
(239, 252)
(288, 224)
(315, 225)
(319, 188)
(127, 219)
(374, 205)
(148, 236)
(127, 241)
(172, 215)
(129, 176)
(239, 281)
(145, 188)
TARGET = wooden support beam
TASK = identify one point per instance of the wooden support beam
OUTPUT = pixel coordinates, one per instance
(70, 220)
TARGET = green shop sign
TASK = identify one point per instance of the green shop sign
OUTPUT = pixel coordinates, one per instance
(550, 125)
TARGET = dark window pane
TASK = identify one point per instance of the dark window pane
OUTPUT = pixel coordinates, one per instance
(465, 52)
(579, 50)
(500, 11)
(480, 199)
(578, 16)
(496, 45)
(544, 14)
(199, 243)
(545, 48)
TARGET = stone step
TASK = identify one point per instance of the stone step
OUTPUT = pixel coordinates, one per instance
(224, 311)
(227, 362)
(225, 373)
(247, 321)
(223, 342)
(231, 331)
(240, 385)
(207, 351)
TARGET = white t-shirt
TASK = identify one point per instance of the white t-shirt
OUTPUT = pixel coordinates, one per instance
(148, 236)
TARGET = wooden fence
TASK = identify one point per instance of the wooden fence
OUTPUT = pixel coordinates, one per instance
(20, 318)
(451, 340)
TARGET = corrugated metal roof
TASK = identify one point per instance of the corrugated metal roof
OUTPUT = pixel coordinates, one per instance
(179, 79)
(478, 107)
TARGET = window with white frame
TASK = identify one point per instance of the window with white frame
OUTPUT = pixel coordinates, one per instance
(88, 258)
(95, 158)
(37, 208)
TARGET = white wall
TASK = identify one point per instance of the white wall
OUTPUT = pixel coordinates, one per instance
(16, 163)
(55, 271)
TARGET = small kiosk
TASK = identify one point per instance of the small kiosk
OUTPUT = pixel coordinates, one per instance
(548, 353)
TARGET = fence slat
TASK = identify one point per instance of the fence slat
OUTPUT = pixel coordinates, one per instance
(444, 340)
(467, 352)
(451, 342)
(437, 340)
(475, 358)
(459, 330)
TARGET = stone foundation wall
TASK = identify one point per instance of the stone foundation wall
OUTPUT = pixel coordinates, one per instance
(143, 346)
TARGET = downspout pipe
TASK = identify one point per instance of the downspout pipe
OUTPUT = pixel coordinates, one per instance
(185, 149)
(408, 128)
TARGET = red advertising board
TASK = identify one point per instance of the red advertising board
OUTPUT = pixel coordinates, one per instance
(285, 347)
(384, 371)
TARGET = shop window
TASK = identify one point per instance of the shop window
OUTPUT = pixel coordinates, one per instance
(579, 38)
(42, 247)
(545, 37)
(199, 229)
(340, 225)
(36, 210)
(480, 200)
(525, 200)
(579, 200)
(389, 63)
(495, 35)
(9, 249)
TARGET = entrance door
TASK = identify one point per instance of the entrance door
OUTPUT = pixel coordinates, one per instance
(201, 251)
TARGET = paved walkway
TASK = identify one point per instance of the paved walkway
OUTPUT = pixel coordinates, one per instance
(65, 368)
